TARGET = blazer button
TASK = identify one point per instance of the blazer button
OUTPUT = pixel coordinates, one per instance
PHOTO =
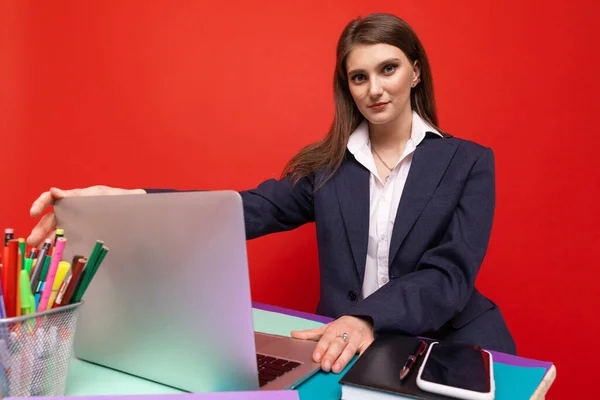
(352, 296)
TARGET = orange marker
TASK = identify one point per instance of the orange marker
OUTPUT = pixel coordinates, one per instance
(8, 235)
(20, 259)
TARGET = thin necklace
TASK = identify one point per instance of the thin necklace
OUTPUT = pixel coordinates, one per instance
(381, 159)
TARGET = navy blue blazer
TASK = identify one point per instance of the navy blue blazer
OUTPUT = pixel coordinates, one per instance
(439, 240)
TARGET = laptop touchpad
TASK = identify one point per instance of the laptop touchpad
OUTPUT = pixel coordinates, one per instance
(264, 339)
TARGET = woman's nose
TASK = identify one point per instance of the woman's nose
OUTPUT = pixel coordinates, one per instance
(375, 87)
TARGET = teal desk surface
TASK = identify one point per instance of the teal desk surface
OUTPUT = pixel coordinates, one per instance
(516, 377)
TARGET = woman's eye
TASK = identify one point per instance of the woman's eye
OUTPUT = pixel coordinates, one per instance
(388, 69)
(358, 78)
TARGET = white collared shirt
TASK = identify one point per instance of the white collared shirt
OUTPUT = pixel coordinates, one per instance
(384, 198)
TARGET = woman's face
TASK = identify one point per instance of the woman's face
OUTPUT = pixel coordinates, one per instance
(380, 78)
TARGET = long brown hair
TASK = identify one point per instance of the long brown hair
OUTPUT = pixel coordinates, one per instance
(328, 154)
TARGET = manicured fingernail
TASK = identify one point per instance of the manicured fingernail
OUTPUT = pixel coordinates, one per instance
(337, 368)
(318, 357)
(326, 365)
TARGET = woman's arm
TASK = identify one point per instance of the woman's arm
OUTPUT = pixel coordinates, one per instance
(277, 205)
(441, 285)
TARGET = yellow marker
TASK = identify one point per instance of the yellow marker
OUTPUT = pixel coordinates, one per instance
(61, 272)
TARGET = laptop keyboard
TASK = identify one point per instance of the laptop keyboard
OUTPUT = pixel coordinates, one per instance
(271, 368)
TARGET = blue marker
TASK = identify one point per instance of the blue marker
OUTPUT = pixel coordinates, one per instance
(36, 298)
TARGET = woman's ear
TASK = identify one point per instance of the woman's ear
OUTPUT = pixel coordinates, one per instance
(416, 73)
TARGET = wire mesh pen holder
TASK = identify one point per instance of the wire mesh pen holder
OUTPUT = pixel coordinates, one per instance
(35, 351)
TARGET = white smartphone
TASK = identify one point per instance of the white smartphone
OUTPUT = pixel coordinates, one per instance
(456, 370)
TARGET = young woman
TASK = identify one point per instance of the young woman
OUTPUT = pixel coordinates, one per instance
(403, 211)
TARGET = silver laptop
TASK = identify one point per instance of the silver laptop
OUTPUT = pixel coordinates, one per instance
(171, 302)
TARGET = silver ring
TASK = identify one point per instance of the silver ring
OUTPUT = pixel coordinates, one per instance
(344, 336)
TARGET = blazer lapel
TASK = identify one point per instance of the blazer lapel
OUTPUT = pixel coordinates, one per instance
(352, 186)
(430, 160)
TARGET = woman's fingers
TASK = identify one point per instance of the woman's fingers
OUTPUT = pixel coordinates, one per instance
(309, 334)
(323, 344)
(59, 193)
(41, 203)
(344, 358)
(334, 350)
(42, 229)
(47, 223)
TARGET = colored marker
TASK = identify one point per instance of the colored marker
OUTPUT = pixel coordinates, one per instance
(58, 234)
(8, 235)
(18, 270)
(90, 275)
(9, 270)
(22, 251)
(43, 275)
(61, 291)
(56, 257)
(35, 275)
(76, 258)
(42, 282)
(20, 266)
(33, 264)
(2, 308)
(27, 306)
(63, 268)
(74, 280)
(78, 264)
(27, 267)
(88, 270)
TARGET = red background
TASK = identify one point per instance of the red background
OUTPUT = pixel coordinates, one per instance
(219, 95)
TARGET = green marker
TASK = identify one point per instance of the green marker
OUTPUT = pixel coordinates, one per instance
(27, 303)
(27, 266)
(100, 259)
(22, 250)
(88, 273)
(43, 275)
(96, 267)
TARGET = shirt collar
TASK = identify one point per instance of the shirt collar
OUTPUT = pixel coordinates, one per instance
(360, 136)
(419, 130)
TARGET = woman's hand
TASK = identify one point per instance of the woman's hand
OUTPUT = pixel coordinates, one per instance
(339, 341)
(47, 223)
